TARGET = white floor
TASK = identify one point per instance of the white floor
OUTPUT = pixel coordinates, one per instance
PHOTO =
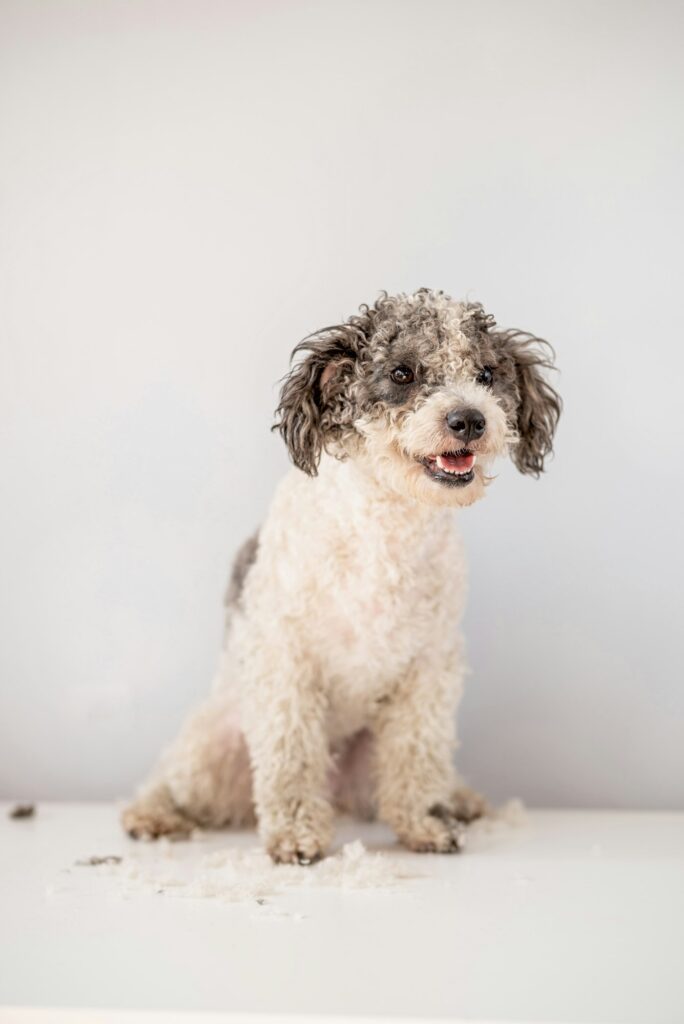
(572, 916)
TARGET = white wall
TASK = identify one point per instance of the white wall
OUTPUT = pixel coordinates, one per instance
(189, 188)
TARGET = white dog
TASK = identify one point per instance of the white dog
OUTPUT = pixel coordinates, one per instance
(342, 666)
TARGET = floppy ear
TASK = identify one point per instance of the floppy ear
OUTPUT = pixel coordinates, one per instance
(539, 405)
(315, 399)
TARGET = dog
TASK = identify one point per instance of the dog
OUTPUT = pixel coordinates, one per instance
(342, 666)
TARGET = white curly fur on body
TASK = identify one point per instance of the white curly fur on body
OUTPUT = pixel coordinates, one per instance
(342, 666)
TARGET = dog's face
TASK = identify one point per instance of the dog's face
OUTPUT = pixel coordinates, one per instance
(425, 393)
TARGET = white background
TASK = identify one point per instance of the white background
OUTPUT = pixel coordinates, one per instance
(189, 188)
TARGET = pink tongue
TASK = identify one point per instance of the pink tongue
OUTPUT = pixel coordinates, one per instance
(461, 463)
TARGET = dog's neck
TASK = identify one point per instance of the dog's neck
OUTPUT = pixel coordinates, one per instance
(355, 487)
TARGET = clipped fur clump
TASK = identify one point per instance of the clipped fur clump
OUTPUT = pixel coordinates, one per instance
(342, 665)
(243, 875)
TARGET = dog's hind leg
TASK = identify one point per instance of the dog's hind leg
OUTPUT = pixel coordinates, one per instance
(153, 814)
(203, 779)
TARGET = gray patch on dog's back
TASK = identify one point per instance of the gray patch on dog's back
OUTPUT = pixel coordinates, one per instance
(243, 562)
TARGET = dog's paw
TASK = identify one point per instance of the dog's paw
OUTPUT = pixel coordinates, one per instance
(303, 839)
(437, 832)
(467, 805)
(290, 848)
(145, 821)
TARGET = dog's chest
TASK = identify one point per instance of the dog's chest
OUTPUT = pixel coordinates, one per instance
(389, 591)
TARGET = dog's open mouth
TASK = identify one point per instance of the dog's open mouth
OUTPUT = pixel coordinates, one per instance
(455, 469)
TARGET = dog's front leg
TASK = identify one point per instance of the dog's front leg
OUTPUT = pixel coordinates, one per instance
(415, 744)
(290, 761)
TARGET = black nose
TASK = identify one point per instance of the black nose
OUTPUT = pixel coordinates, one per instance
(466, 424)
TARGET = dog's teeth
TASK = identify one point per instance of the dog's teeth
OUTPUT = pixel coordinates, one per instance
(454, 472)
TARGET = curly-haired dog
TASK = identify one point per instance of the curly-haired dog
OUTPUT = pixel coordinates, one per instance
(342, 665)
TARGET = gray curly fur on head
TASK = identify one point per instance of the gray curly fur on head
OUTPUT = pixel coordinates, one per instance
(342, 373)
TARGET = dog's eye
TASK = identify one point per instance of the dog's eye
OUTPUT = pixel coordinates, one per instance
(402, 375)
(485, 376)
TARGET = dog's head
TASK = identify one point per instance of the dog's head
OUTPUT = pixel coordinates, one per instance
(425, 392)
